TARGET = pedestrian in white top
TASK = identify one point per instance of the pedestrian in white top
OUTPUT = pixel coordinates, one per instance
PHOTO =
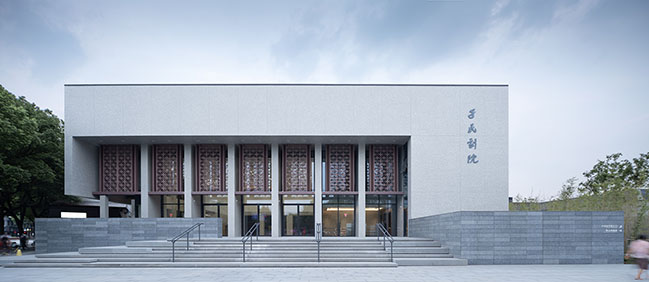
(639, 250)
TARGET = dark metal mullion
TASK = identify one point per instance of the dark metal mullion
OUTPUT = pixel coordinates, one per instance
(338, 213)
(258, 214)
(178, 206)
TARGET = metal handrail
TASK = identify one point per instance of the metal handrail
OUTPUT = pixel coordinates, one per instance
(253, 229)
(184, 233)
(386, 235)
(318, 237)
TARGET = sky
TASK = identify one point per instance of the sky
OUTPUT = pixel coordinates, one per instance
(578, 71)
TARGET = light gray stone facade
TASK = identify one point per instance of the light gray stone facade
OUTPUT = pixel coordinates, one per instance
(431, 120)
(70, 234)
(527, 237)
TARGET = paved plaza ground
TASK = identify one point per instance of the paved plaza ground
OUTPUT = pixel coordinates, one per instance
(562, 273)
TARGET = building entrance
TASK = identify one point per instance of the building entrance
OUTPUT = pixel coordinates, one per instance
(339, 215)
(298, 216)
(380, 209)
(256, 209)
(216, 206)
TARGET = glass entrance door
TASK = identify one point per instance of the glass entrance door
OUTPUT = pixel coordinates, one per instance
(256, 208)
(298, 217)
(216, 206)
(298, 220)
(339, 215)
(380, 209)
(257, 213)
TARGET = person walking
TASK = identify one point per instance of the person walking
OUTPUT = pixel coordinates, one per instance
(6, 245)
(23, 242)
(639, 250)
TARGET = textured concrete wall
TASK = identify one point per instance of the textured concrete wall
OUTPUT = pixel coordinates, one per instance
(527, 237)
(70, 234)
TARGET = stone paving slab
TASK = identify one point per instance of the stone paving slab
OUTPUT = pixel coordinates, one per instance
(532, 273)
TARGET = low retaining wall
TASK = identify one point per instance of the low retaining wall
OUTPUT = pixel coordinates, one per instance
(70, 234)
(527, 237)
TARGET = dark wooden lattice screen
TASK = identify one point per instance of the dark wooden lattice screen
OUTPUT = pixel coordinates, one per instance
(210, 168)
(118, 173)
(167, 168)
(297, 168)
(340, 168)
(253, 168)
(383, 168)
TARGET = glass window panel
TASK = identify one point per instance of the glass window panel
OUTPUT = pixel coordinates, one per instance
(346, 215)
(250, 217)
(211, 211)
(223, 214)
(265, 222)
(371, 219)
(297, 199)
(329, 218)
(215, 199)
(172, 211)
(257, 199)
(347, 199)
(372, 200)
(338, 216)
(170, 199)
(290, 216)
(380, 209)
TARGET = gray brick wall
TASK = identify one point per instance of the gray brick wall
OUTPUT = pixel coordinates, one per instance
(527, 237)
(70, 234)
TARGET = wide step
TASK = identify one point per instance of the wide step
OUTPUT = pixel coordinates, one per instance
(266, 252)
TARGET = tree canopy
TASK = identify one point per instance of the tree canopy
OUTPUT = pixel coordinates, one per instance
(31, 159)
(614, 174)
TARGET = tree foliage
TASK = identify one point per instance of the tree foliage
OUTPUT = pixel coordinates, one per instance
(614, 174)
(613, 184)
(31, 159)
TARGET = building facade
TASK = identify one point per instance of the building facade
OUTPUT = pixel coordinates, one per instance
(289, 156)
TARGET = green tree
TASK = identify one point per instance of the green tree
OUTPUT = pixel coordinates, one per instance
(31, 159)
(613, 184)
(615, 174)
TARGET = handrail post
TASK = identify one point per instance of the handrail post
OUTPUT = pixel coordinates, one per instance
(386, 236)
(185, 233)
(318, 238)
(248, 236)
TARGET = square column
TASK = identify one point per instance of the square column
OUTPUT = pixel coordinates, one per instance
(405, 233)
(234, 222)
(149, 205)
(318, 184)
(133, 212)
(275, 200)
(191, 204)
(103, 206)
(360, 208)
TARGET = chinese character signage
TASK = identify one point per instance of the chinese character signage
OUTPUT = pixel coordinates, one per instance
(472, 142)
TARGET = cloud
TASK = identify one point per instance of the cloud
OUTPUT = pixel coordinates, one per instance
(576, 69)
(498, 7)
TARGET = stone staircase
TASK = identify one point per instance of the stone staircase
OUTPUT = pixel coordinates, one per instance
(266, 252)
